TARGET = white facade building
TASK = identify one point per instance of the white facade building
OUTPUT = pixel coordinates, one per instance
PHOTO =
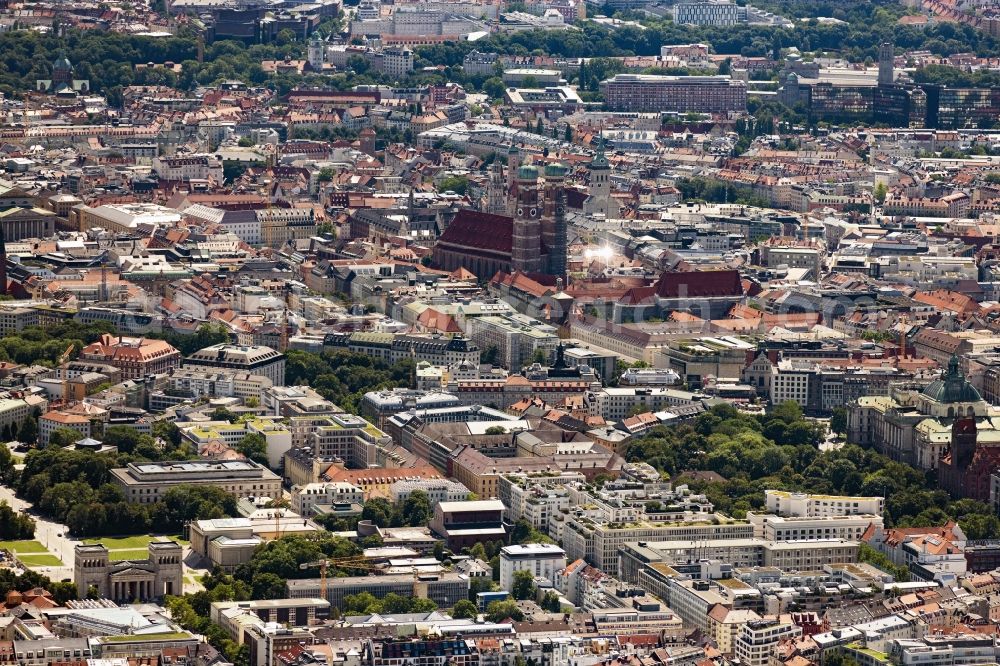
(541, 559)
(784, 503)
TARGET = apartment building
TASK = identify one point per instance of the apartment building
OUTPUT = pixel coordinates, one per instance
(785, 503)
(756, 641)
(147, 482)
(800, 528)
(601, 543)
(725, 623)
(518, 339)
(437, 490)
(306, 498)
(542, 560)
(256, 360)
(536, 498)
(681, 94)
(135, 357)
(194, 167)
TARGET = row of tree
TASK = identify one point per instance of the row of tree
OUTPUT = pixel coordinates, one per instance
(15, 525)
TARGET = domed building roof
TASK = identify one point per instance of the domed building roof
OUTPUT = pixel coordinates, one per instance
(527, 172)
(557, 170)
(62, 64)
(952, 386)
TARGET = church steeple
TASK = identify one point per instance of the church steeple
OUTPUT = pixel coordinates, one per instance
(600, 183)
(496, 190)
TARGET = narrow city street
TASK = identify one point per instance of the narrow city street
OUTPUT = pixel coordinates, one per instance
(51, 535)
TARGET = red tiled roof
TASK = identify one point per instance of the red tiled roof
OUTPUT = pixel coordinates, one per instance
(484, 231)
(699, 283)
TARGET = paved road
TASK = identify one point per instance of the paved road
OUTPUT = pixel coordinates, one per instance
(49, 534)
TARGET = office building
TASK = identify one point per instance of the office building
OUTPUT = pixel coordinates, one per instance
(709, 13)
(445, 589)
(467, 523)
(147, 482)
(518, 339)
(680, 94)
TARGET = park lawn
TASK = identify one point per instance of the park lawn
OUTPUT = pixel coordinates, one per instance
(45, 560)
(26, 546)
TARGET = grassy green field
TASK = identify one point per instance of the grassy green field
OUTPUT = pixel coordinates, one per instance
(45, 560)
(23, 547)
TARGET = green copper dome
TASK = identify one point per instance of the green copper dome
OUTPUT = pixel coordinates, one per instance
(527, 172)
(952, 386)
(557, 170)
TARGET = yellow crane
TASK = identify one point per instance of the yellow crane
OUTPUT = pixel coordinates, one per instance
(357, 562)
(65, 355)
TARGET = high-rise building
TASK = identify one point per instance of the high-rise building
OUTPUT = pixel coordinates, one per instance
(886, 60)
(709, 13)
(653, 92)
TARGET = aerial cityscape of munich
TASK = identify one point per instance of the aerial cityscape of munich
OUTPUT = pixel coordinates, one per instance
(499, 333)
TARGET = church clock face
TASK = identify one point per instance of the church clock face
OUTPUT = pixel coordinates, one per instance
(532, 212)
(520, 211)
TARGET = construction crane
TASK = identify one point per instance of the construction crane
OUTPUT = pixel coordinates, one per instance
(65, 355)
(358, 562)
(278, 505)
